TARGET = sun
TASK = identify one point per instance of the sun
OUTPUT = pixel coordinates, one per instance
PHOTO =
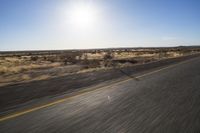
(82, 16)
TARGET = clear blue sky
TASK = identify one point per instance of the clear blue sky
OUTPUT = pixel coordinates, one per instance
(46, 24)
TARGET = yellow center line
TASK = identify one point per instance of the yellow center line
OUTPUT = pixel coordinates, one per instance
(17, 114)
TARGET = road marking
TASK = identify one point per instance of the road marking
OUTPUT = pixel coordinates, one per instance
(17, 114)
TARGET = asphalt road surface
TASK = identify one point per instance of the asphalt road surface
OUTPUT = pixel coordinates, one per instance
(164, 101)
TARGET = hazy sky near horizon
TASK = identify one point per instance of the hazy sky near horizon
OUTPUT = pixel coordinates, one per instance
(77, 24)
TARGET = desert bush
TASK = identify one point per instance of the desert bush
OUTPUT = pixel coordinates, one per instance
(2, 58)
(84, 56)
(108, 56)
(69, 58)
(52, 59)
(29, 54)
(185, 52)
(138, 53)
(152, 52)
(18, 56)
(44, 58)
(162, 54)
(107, 59)
(91, 63)
(3, 70)
(34, 58)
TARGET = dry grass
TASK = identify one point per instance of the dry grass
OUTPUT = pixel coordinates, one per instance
(15, 65)
(26, 68)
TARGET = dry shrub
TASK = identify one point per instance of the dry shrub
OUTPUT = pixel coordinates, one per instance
(51, 59)
(108, 56)
(3, 69)
(34, 58)
(91, 63)
(22, 68)
(69, 58)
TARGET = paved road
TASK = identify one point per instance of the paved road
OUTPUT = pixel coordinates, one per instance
(15, 96)
(167, 101)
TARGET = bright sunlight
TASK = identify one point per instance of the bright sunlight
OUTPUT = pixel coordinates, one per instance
(82, 16)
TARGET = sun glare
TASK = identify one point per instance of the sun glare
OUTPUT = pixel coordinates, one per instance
(82, 16)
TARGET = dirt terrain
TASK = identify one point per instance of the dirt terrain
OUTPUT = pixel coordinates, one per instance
(16, 95)
(26, 66)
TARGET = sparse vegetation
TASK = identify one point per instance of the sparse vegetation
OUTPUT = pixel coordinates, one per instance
(38, 65)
